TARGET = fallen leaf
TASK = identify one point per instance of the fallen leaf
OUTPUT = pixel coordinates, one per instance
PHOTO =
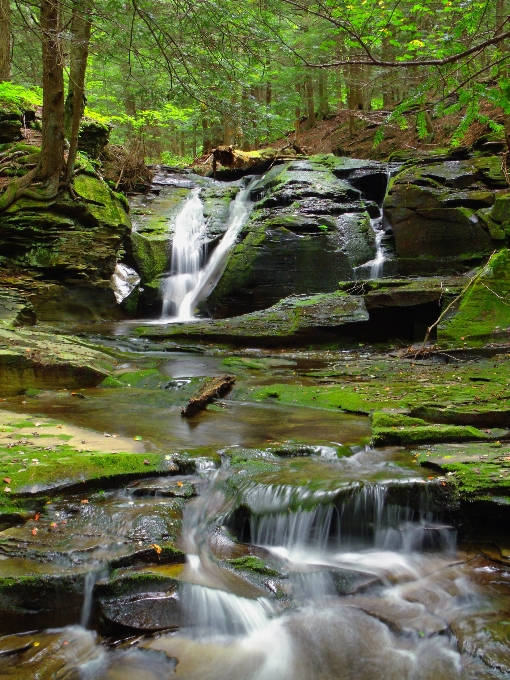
(157, 548)
(7, 480)
(146, 462)
(34, 531)
(137, 439)
(7, 489)
(180, 484)
(85, 501)
(37, 515)
(53, 525)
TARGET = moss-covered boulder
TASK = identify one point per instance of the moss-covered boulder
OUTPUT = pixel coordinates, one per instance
(71, 243)
(308, 230)
(93, 136)
(396, 429)
(11, 121)
(483, 313)
(35, 359)
(315, 318)
(442, 214)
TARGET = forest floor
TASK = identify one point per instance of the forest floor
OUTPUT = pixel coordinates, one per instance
(333, 135)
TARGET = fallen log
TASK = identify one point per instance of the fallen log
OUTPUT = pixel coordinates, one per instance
(235, 159)
(213, 388)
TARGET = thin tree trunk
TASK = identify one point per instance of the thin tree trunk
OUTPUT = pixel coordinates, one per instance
(206, 137)
(323, 95)
(297, 124)
(75, 103)
(310, 104)
(5, 40)
(52, 147)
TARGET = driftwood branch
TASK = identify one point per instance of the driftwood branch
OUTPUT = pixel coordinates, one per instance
(213, 388)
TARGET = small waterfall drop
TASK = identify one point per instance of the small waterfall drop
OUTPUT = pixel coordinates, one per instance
(374, 269)
(190, 282)
(187, 257)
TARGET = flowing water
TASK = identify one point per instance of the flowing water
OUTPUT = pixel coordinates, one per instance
(374, 269)
(192, 279)
(188, 250)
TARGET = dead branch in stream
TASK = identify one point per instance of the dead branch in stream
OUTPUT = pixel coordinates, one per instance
(213, 388)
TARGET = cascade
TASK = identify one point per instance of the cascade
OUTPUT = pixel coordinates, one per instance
(191, 281)
(187, 257)
(374, 269)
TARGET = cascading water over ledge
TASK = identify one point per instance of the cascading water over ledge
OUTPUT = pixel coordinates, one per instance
(192, 277)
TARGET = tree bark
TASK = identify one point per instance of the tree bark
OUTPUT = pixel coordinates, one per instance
(323, 95)
(5, 40)
(310, 104)
(52, 146)
(213, 388)
(75, 103)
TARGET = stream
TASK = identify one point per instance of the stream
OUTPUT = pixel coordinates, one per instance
(308, 555)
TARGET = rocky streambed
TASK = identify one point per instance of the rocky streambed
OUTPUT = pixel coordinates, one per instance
(342, 512)
(283, 514)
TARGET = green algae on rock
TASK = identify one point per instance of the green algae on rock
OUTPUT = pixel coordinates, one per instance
(41, 360)
(483, 313)
(400, 430)
(296, 319)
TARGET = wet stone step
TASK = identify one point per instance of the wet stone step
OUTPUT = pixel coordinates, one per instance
(147, 613)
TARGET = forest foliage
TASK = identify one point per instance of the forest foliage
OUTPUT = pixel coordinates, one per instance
(183, 76)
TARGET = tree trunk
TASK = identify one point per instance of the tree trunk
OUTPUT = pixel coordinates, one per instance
(75, 102)
(310, 104)
(297, 124)
(323, 95)
(52, 146)
(206, 137)
(5, 40)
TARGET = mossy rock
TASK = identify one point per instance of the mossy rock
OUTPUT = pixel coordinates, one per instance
(483, 313)
(297, 319)
(401, 430)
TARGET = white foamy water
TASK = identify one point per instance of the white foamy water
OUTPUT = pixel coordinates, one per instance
(192, 281)
(187, 258)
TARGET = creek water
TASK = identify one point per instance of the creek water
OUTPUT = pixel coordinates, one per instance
(309, 555)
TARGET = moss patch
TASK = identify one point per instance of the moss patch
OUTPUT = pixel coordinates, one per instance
(478, 471)
(255, 564)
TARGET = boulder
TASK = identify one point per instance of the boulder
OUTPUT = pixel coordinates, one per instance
(308, 230)
(35, 359)
(483, 313)
(15, 309)
(297, 319)
(443, 215)
(10, 125)
(93, 137)
(66, 248)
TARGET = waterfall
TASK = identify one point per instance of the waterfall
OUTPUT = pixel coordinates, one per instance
(189, 284)
(187, 257)
(375, 268)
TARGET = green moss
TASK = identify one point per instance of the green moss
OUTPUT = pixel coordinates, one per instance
(484, 311)
(478, 471)
(418, 434)
(255, 564)
(383, 419)
(64, 465)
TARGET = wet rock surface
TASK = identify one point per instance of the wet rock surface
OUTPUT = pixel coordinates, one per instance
(296, 319)
(444, 215)
(308, 229)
